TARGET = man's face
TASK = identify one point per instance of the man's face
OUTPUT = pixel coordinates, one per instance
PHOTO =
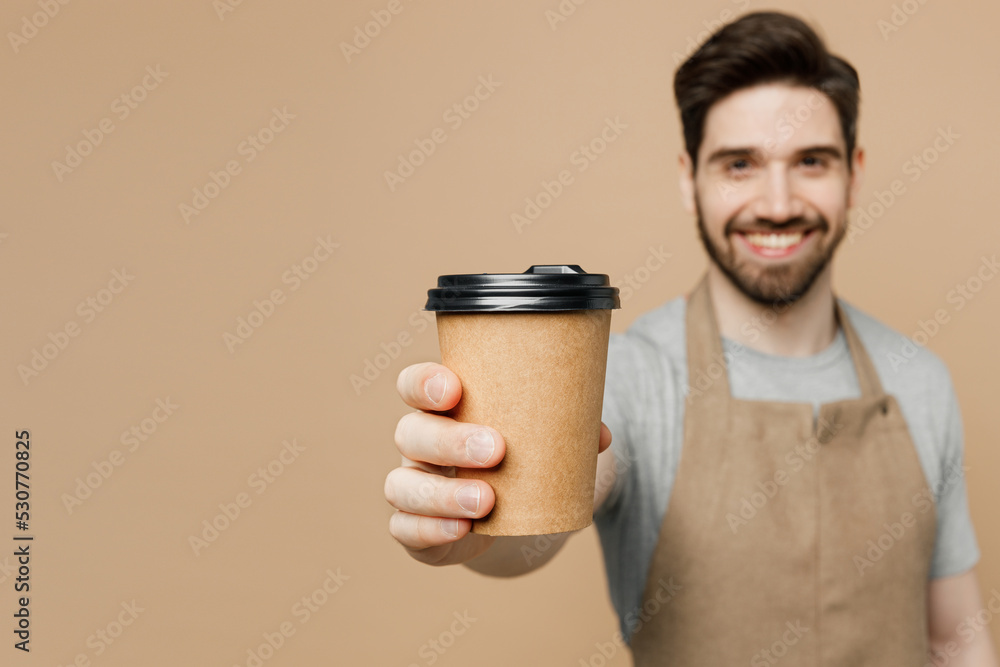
(772, 188)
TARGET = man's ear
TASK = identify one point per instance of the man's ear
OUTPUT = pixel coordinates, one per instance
(857, 177)
(686, 181)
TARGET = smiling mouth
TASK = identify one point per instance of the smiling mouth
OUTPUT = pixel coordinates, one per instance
(780, 244)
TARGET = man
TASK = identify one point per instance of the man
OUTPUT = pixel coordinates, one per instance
(776, 490)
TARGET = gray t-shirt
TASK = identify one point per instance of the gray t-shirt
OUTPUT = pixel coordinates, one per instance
(644, 408)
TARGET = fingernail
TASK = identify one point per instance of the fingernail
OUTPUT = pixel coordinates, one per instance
(449, 527)
(468, 498)
(435, 388)
(480, 446)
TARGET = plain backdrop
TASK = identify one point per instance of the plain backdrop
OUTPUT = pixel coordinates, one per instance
(206, 151)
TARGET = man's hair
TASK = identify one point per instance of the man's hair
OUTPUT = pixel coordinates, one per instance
(760, 48)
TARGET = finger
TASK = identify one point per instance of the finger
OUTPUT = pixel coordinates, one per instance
(605, 440)
(429, 386)
(422, 532)
(418, 492)
(422, 436)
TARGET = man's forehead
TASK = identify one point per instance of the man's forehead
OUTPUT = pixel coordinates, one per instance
(776, 116)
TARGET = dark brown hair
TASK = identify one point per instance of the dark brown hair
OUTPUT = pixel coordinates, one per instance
(763, 47)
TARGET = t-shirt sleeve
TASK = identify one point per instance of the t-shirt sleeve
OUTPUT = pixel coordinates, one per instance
(618, 384)
(955, 549)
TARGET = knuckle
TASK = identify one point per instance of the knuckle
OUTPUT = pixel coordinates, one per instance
(444, 500)
(403, 427)
(401, 386)
(394, 527)
(425, 494)
(454, 443)
(444, 445)
(408, 380)
(389, 488)
(425, 530)
(413, 491)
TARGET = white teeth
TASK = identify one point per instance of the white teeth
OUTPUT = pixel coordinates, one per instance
(774, 241)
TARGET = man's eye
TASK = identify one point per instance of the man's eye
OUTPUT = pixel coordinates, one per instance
(739, 165)
(813, 161)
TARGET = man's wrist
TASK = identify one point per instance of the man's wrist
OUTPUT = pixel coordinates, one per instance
(511, 556)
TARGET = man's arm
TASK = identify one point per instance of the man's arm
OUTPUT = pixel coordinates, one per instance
(956, 635)
(434, 509)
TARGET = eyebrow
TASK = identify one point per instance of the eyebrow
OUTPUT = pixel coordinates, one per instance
(823, 149)
(754, 152)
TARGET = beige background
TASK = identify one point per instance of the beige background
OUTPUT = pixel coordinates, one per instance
(322, 176)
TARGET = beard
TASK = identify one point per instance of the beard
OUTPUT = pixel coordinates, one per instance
(783, 283)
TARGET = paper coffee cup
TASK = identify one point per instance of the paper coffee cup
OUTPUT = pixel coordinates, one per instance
(531, 351)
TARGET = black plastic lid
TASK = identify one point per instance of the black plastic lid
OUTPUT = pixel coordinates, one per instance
(542, 287)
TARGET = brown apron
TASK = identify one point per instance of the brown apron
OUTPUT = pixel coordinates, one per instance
(786, 540)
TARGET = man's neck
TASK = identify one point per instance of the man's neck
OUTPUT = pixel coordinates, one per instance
(801, 329)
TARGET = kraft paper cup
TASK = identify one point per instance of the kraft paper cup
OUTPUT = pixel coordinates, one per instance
(531, 351)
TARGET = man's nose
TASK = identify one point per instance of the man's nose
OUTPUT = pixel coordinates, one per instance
(777, 201)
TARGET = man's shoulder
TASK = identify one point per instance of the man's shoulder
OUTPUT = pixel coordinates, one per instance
(650, 354)
(898, 358)
(658, 331)
(658, 336)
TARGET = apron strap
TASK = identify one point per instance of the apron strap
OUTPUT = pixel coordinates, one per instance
(708, 373)
(707, 367)
(864, 368)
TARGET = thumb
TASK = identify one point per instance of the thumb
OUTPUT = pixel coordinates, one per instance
(605, 440)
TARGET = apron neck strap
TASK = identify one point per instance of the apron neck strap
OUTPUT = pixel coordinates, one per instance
(864, 368)
(707, 367)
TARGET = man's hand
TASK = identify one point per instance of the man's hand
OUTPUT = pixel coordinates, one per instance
(435, 509)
